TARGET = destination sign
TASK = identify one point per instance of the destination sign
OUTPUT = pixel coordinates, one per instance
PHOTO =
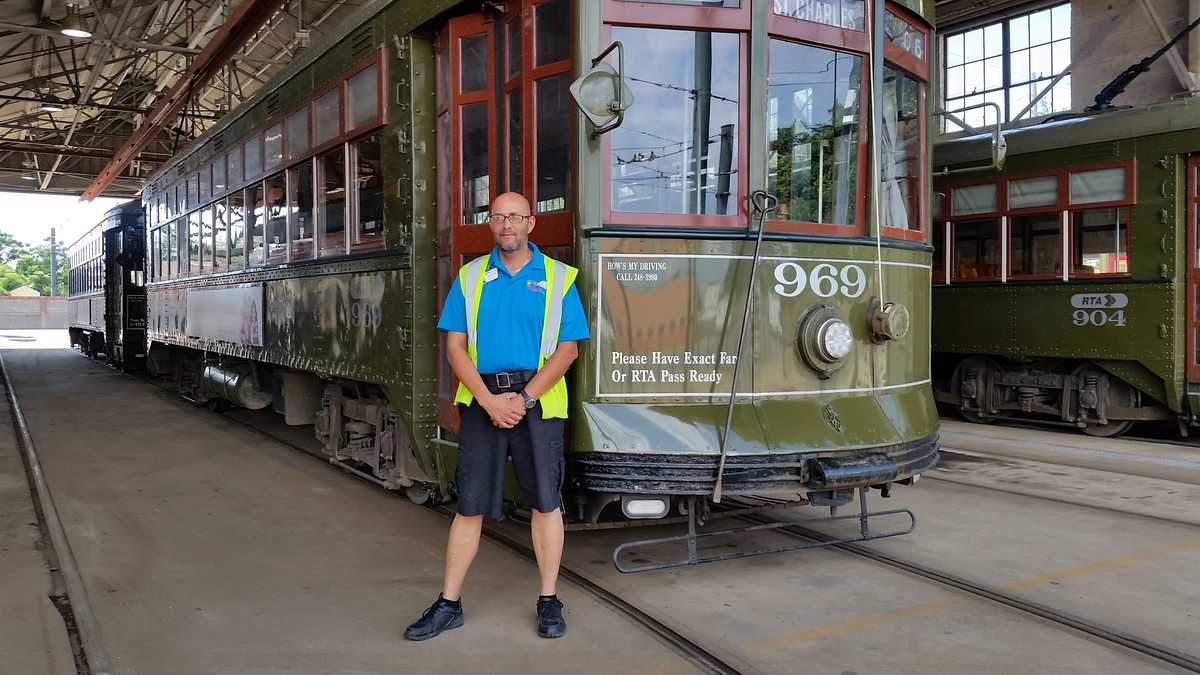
(840, 13)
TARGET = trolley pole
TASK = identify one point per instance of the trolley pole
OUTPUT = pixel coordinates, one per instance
(53, 264)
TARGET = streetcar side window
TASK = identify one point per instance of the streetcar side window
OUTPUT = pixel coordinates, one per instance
(219, 183)
(1035, 245)
(297, 133)
(193, 245)
(206, 239)
(1100, 242)
(233, 161)
(220, 237)
(553, 141)
(276, 217)
(255, 221)
(977, 250)
(253, 150)
(327, 113)
(902, 139)
(205, 189)
(677, 151)
(368, 190)
(300, 210)
(173, 248)
(331, 201)
(362, 98)
(235, 212)
(476, 177)
(273, 147)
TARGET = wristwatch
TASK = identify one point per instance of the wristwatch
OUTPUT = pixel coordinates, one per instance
(529, 400)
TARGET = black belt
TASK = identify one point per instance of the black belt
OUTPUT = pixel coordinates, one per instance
(515, 381)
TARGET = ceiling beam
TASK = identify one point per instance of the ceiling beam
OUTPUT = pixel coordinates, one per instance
(247, 18)
(126, 44)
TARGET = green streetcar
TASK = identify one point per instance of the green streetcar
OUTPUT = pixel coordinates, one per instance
(1071, 292)
(299, 250)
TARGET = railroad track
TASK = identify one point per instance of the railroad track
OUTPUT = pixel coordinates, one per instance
(1188, 662)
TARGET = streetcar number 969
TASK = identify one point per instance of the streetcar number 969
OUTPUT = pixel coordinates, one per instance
(824, 279)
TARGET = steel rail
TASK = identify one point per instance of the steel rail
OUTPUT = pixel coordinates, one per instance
(85, 620)
(681, 644)
(1064, 619)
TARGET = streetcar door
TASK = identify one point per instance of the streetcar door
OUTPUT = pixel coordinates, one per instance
(504, 124)
(1193, 269)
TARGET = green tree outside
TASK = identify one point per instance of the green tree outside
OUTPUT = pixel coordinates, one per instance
(23, 265)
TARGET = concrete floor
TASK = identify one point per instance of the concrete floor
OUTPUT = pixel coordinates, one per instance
(33, 639)
(208, 548)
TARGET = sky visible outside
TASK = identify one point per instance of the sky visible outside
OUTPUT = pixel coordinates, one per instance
(28, 216)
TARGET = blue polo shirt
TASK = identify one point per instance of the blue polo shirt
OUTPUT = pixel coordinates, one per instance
(511, 311)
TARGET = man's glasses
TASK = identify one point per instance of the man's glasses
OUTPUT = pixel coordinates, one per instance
(501, 218)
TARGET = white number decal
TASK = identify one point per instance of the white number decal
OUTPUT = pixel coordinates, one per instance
(1098, 317)
(825, 280)
(791, 278)
(854, 281)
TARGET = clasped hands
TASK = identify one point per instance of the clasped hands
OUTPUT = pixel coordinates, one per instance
(506, 410)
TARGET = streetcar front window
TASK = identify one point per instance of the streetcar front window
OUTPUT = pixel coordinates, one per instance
(813, 131)
(475, 171)
(901, 189)
(553, 159)
(677, 150)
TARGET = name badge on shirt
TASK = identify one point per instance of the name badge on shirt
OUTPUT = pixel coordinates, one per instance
(491, 275)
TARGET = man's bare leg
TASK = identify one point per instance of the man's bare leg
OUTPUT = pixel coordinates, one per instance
(461, 546)
(547, 531)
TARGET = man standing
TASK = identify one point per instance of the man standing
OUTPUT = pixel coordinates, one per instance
(512, 320)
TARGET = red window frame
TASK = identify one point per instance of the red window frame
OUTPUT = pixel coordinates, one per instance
(919, 69)
(902, 58)
(1127, 210)
(1130, 199)
(468, 238)
(952, 245)
(671, 21)
(1008, 235)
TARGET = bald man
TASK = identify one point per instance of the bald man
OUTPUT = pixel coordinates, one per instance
(512, 321)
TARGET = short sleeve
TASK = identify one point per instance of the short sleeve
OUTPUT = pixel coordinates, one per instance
(454, 312)
(574, 324)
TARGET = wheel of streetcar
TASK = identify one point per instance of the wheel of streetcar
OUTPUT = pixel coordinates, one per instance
(1120, 394)
(987, 368)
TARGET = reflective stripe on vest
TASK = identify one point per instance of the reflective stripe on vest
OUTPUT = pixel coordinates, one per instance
(559, 278)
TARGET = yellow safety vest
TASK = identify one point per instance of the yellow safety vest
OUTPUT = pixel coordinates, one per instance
(559, 278)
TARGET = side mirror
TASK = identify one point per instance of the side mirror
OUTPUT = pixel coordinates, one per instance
(602, 93)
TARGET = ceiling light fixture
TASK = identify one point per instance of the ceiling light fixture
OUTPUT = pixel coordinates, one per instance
(51, 107)
(72, 25)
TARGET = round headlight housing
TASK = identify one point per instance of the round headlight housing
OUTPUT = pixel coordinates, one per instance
(824, 339)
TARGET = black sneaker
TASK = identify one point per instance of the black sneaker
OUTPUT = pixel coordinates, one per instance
(550, 619)
(442, 615)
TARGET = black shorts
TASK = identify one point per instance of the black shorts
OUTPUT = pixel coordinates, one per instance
(536, 448)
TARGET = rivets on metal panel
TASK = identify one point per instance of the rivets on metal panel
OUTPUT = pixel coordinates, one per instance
(1162, 331)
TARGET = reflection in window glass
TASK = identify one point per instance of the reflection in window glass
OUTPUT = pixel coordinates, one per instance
(1028, 193)
(300, 205)
(841, 13)
(273, 147)
(255, 220)
(218, 176)
(253, 150)
(206, 238)
(205, 184)
(327, 115)
(1093, 187)
(977, 250)
(551, 28)
(193, 191)
(474, 153)
(297, 133)
(276, 214)
(512, 32)
(173, 248)
(234, 163)
(193, 247)
(903, 35)
(362, 97)
(677, 149)
(902, 150)
(974, 199)
(236, 215)
(1101, 242)
(445, 219)
(512, 145)
(331, 200)
(552, 136)
(1035, 245)
(220, 238)
(368, 187)
(473, 63)
(813, 126)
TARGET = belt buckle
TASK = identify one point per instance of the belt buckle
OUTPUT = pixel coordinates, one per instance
(506, 383)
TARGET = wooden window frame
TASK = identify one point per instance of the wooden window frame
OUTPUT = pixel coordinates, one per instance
(923, 182)
(737, 221)
(1008, 236)
(338, 138)
(529, 77)
(1127, 209)
(1000, 199)
(376, 59)
(305, 106)
(952, 246)
(904, 59)
(1130, 199)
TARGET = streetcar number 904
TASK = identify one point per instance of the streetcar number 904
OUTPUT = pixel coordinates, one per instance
(824, 279)
(1098, 317)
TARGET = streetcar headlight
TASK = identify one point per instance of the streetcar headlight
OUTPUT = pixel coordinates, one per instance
(834, 340)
